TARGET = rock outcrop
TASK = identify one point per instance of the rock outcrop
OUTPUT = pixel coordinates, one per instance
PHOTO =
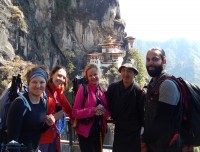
(55, 31)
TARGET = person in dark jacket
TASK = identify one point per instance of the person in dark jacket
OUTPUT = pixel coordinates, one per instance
(161, 108)
(26, 123)
(126, 103)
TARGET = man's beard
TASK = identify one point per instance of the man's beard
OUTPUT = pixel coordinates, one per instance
(156, 72)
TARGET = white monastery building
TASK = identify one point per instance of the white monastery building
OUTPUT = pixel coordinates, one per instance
(111, 53)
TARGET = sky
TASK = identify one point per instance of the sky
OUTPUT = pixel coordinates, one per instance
(161, 20)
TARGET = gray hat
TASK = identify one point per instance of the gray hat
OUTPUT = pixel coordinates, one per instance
(129, 65)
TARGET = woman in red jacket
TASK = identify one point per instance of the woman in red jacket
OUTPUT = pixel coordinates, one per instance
(57, 104)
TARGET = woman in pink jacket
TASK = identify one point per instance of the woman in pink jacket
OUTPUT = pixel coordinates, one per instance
(91, 112)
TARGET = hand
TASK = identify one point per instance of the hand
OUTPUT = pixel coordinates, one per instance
(50, 120)
(99, 110)
(58, 115)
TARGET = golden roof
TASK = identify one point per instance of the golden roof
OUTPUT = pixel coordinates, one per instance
(110, 42)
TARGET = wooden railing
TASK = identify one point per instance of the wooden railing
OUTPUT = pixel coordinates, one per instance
(72, 140)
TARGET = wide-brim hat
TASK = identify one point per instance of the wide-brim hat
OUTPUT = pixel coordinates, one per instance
(129, 65)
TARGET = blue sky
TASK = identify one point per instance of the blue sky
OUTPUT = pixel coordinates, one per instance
(161, 19)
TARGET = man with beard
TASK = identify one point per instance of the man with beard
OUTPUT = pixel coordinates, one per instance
(126, 101)
(161, 108)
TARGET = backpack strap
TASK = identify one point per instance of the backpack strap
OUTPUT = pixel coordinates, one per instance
(44, 97)
(45, 100)
(85, 92)
(26, 104)
(182, 106)
(183, 93)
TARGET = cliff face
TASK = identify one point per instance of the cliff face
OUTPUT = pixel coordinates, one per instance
(54, 31)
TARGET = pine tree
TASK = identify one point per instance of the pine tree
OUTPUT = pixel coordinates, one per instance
(136, 55)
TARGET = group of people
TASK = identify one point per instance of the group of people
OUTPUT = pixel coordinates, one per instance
(145, 121)
(36, 128)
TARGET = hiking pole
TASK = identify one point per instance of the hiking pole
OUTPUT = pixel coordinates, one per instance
(101, 144)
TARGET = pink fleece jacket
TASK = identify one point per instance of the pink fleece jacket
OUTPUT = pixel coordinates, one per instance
(88, 110)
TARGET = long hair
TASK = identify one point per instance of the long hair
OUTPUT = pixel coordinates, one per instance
(88, 67)
(54, 70)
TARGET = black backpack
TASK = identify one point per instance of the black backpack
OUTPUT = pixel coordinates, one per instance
(189, 130)
(6, 99)
(76, 83)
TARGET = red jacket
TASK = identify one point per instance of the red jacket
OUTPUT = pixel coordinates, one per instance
(51, 133)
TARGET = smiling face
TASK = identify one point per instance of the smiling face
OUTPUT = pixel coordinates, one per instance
(154, 63)
(37, 85)
(92, 75)
(59, 77)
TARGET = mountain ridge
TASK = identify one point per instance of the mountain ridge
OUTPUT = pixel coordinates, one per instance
(183, 56)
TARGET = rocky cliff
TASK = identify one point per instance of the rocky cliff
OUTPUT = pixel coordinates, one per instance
(54, 32)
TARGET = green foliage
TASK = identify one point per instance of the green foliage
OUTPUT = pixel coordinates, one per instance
(18, 16)
(111, 73)
(69, 57)
(103, 83)
(70, 67)
(69, 95)
(136, 55)
(70, 54)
